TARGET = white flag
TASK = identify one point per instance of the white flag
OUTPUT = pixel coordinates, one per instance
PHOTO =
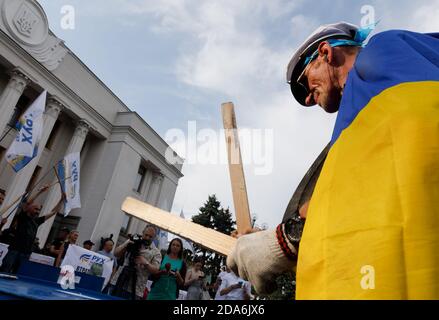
(187, 245)
(30, 129)
(69, 174)
(163, 240)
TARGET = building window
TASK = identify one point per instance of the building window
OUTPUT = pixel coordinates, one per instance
(125, 224)
(53, 134)
(70, 222)
(19, 109)
(140, 178)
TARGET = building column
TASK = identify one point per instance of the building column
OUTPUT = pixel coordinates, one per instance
(75, 145)
(22, 178)
(10, 96)
(152, 198)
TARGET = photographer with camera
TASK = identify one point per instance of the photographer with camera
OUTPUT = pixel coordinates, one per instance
(141, 258)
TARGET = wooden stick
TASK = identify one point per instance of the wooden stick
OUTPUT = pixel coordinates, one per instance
(236, 170)
(204, 237)
(3, 211)
(59, 180)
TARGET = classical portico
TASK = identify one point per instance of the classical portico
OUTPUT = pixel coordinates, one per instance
(121, 155)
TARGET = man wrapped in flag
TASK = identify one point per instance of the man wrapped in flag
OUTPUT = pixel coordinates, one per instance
(30, 129)
(372, 225)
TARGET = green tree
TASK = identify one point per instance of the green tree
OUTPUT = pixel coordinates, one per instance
(286, 288)
(212, 215)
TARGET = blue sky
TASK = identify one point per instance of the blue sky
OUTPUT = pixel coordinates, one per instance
(177, 61)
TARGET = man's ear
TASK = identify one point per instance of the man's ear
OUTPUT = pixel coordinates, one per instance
(326, 51)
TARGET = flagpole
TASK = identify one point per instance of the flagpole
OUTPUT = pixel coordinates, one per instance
(63, 192)
(3, 211)
(58, 178)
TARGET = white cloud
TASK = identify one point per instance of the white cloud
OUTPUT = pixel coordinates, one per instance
(232, 56)
(426, 18)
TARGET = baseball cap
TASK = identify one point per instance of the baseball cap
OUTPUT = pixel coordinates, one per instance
(88, 242)
(303, 55)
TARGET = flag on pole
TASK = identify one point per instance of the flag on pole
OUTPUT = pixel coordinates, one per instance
(187, 245)
(30, 129)
(69, 173)
(161, 240)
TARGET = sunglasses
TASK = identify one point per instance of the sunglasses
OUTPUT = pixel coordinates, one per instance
(303, 80)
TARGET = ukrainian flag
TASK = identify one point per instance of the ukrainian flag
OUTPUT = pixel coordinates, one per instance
(372, 229)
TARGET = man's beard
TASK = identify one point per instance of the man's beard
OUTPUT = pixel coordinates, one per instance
(330, 100)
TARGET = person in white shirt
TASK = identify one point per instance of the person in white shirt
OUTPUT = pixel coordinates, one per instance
(218, 282)
(234, 288)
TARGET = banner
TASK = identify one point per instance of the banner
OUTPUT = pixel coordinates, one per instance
(30, 129)
(69, 173)
(3, 251)
(42, 259)
(89, 262)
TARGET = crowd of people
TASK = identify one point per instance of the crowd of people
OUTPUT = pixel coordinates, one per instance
(169, 275)
(140, 272)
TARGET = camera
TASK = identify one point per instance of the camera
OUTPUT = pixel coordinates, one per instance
(129, 272)
(134, 248)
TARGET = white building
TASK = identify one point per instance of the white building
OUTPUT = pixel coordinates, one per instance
(121, 155)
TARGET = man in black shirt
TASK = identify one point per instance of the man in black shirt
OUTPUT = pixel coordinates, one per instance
(26, 231)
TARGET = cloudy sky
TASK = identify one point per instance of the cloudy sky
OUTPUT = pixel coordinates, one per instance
(176, 61)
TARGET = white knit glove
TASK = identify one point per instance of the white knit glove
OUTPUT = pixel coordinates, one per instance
(258, 258)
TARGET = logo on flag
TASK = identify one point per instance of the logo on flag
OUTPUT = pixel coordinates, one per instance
(69, 172)
(30, 129)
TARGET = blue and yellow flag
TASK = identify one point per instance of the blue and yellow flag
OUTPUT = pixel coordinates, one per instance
(372, 229)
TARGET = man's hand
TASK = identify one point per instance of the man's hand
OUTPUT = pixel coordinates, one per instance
(235, 233)
(44, 188)
(41, 190)
(236, 286)
(141, 261)
(259, 259)
(3, 222)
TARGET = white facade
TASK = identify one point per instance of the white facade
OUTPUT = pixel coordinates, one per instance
(82, 115)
